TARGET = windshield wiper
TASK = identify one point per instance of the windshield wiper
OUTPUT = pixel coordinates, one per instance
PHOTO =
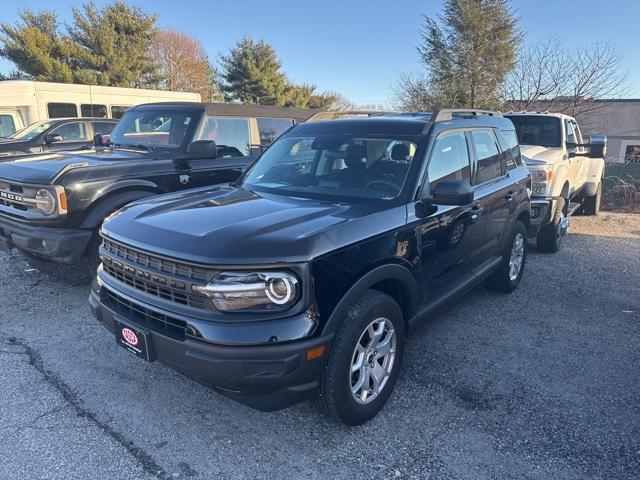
(138, 146)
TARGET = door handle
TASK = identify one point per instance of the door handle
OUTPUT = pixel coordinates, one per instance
(476, 213)
(509, 196)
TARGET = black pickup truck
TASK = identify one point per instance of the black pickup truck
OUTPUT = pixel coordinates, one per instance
(52, 205)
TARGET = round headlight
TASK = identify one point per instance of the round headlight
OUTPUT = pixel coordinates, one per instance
(46, 201)
(280, 290)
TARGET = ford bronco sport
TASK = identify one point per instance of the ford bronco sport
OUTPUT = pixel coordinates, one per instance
(303, 277)
(51, 206)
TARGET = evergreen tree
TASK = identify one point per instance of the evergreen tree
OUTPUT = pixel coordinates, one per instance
(109, 46)
(467, 51)
(251, 74)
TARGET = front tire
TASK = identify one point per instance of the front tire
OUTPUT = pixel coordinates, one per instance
(507, 277)
(365, 360)
(591, 205)
(550, 235)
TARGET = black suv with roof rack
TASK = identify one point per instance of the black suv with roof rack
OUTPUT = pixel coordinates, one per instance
(51, 206)
(55, 135)
(302, 278)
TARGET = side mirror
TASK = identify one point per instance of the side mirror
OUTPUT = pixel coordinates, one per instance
(202, 149)
(50, 138)
(100, 140)
(452, 192)
(597, 146)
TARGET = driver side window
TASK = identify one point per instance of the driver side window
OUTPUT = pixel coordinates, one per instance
(71, 132)
(449, 159)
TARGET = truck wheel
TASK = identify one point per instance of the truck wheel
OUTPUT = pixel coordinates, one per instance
(551, 234)
(507, 277)
(90, 259)
(591, 205)
(365, 360)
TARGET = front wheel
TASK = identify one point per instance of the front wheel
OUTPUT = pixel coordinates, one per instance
(591, 204)
(550, 235)
(507, 277)
(365, 360)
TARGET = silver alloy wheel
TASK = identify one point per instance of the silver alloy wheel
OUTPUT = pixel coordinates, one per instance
(517, 256)
(372, 360)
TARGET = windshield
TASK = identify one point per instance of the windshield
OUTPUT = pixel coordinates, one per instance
(33, 130)
(151, 129)
(537, 130)
(334, 166)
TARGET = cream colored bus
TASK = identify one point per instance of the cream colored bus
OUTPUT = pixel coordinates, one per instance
(24, 102)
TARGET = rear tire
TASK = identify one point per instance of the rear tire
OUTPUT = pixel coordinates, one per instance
(591, 205)
(514, 257)
(550, 235)
(365, 360)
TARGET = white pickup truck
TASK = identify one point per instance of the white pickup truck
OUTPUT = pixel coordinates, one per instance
(566, 173)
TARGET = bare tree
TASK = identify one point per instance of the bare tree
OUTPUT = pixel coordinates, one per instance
(182, 64)
(413, 94)
(549, 77)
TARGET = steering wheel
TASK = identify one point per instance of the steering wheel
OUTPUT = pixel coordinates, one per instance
(386, 184)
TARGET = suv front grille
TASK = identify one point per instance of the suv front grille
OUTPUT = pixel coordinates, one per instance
(154, 321)
(156, 263)
(154, 275)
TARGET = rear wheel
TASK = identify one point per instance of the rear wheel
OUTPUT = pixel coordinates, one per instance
(507, 277)
(550, 235)
(591, 205)
(365, 360)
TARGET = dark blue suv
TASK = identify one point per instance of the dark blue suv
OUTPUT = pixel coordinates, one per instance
(302, 278)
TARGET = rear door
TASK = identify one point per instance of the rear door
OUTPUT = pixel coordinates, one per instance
(493, 189)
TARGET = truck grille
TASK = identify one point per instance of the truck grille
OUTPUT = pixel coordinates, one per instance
(154, 321)
(153, 275)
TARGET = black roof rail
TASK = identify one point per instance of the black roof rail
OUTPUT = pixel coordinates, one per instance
(445, 114)
(333, 115)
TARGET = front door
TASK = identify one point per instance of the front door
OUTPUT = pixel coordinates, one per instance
(451, 237)
(75, 135)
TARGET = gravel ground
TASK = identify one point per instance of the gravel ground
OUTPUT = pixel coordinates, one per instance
(543, 383)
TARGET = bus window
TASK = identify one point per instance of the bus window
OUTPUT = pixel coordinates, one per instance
(62, 110)
(92, 110)
(118, 110)
(7, 126)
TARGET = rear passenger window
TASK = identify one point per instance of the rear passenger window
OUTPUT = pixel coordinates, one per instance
(62, 110)
(230, 134)
(272, 128)
(91, 110)
(513, 158)
(449, 159)
(489, 163)
(103, 128)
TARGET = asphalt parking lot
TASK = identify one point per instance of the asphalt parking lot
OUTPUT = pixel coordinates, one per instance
(544, 383)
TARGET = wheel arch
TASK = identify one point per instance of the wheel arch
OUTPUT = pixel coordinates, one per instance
(394, 279)
(113, 200)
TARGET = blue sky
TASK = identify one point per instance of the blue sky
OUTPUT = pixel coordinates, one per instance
(359, 47)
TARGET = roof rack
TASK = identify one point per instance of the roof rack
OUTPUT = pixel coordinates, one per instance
(445, 114)
(320, 116)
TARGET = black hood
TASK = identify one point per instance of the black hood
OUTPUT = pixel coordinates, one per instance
(42, 169)
(228, 225)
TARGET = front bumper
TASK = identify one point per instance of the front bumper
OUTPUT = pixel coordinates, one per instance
(57, 244)
(542, 210)
(264, 376)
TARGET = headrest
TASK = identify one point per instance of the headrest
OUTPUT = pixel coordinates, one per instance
(400, 152)
(356, 156)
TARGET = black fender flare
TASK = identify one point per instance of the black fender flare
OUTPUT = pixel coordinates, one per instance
(390, 271)
(107, 205)
(121, 185)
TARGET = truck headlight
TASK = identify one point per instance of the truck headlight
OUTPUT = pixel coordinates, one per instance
(252, 291)
(541, 179)
(46, 202)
